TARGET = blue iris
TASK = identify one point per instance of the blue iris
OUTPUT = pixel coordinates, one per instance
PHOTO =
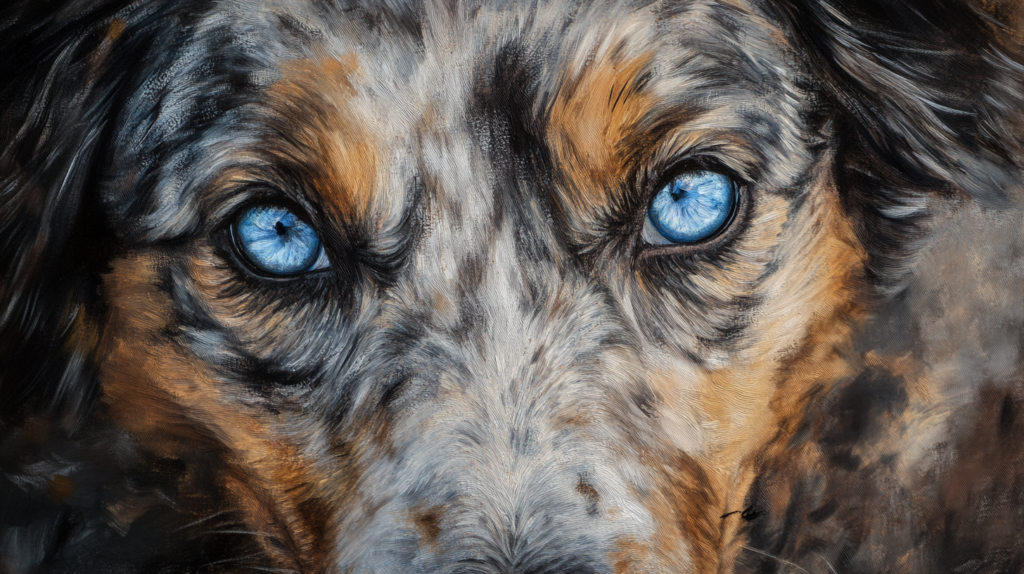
(277, 241)
(694, 206)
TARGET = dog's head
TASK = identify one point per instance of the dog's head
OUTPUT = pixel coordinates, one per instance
(434, 286)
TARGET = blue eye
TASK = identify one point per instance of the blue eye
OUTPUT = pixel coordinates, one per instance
(692, 207)
(275, 240)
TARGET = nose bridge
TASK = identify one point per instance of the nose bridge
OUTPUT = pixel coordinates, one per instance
(508, 375)
(515, 376)
(523, 321)
(485, 244)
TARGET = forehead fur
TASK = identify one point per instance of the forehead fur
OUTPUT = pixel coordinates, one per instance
(604, 88)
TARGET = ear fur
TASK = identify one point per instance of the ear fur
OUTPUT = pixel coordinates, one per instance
(924, 96)
(52, 122)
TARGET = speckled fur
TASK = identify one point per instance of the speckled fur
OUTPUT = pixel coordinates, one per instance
(496, 375)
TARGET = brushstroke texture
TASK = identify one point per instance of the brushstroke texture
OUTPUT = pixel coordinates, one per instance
(494, 371)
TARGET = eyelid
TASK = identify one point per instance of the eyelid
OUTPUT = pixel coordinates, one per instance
(650, 235)
(232, 200)
(725, 151)
(658, 178)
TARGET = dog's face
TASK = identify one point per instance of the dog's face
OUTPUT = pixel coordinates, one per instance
(416, 288)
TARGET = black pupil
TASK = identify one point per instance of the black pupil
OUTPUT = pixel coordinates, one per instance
(280, 228)
(677, 193)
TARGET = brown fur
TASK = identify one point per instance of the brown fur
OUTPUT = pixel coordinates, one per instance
(498, 371)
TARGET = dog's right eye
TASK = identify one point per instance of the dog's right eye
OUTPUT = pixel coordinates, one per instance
(691, 208)
(278, 242)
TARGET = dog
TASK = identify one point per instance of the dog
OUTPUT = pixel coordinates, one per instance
(511, 287)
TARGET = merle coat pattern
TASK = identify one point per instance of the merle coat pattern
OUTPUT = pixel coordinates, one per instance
(498, 372)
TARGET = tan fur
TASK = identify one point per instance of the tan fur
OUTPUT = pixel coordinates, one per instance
(501, 367)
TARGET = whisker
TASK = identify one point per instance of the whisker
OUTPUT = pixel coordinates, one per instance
(246, 532)
(827, 563)
(265, 569)
(755, 550)
(227, 560)
(201, 520)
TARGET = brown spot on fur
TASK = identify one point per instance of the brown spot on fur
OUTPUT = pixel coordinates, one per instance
(115, 29)
(59, 488)
(587, 491)
(428, 522)
(628, 555)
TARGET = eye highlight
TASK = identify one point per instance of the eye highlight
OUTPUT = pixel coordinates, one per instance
(693, 207)
(275, 240)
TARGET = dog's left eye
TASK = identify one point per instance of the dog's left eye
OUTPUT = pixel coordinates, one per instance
(693, 207)
(278, 242)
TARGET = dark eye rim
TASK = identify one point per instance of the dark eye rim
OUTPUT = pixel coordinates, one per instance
(238, 253)
(729, 230)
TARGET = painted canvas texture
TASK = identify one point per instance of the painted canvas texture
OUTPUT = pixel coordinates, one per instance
(511, 286)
